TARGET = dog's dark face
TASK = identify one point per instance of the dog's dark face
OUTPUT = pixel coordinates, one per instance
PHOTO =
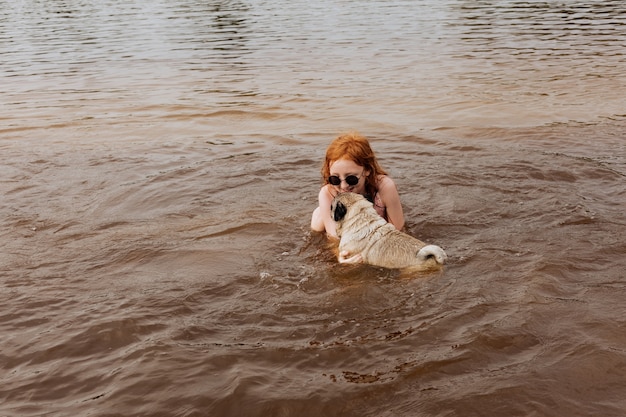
(339, 210)
(341, 203)
(352, 211)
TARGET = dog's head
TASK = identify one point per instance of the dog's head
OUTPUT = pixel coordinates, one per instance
(341, 205)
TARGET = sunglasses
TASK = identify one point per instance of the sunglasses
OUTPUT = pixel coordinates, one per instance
(351, 180)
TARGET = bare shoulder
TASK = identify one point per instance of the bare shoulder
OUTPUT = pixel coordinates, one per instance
(325, 195)
(325, 200)
(386, 185)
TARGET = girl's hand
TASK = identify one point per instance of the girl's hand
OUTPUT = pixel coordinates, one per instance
(345, 258)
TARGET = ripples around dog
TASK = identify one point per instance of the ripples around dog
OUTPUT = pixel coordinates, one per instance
(150, 281)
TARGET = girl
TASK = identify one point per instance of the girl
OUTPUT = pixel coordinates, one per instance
(351, 165)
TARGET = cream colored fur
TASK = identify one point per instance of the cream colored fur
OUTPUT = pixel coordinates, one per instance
(362, 231)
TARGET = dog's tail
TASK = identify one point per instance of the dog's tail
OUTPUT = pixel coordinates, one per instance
(432, 252)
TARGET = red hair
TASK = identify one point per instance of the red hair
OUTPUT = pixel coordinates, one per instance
(356, 148)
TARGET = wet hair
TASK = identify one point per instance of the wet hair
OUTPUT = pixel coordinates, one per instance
(356, 148)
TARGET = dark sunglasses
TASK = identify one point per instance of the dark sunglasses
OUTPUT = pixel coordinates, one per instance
(351, 180)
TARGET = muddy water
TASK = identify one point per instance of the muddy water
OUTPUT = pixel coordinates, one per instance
(160, 163)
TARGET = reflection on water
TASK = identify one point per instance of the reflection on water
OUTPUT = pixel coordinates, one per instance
(580, 39)
(160, 162)
(401, 65)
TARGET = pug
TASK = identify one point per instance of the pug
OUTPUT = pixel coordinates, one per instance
(362, 231)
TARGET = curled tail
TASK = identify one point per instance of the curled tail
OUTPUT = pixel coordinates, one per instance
(432, 252)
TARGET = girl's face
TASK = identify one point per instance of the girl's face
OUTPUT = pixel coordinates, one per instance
(344, 173)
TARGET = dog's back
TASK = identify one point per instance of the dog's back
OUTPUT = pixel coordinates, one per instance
(363, 231)
(400, 250)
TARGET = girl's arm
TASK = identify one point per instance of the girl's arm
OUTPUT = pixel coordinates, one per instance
(391, 199)
(325, 200)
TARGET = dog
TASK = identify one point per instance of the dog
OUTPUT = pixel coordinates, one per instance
(361, 230)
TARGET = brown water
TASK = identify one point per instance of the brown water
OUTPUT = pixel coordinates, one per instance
(160, 162)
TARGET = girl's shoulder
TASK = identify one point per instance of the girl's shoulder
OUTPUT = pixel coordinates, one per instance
(325, 188)
(384, 182)
(325, 192)
(386, 190)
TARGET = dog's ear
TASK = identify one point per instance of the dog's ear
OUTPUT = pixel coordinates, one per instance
(340, 212)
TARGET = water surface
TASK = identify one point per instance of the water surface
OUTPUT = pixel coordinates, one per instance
(160, 161)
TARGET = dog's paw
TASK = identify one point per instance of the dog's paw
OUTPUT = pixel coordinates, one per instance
(345, 258)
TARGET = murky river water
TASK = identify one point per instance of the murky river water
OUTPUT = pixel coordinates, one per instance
(160, 162)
